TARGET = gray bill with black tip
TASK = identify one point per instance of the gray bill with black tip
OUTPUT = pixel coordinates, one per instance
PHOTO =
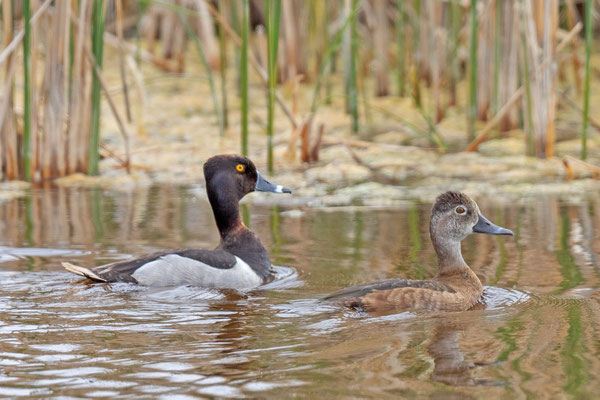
(263, 185)
(483, 225)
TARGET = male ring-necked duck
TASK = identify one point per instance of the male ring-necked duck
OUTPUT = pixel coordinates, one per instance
(455, 287)
(239, 262)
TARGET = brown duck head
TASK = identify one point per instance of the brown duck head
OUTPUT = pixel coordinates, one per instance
(455, 216)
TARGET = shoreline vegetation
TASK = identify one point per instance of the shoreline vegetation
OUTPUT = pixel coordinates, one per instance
(350, 102)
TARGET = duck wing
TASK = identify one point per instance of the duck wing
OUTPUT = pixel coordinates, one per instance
(364, 289)
(208, 268)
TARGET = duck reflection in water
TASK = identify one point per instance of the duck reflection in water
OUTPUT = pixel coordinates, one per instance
(450, 366)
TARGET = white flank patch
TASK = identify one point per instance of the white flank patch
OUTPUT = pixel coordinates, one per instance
(175, 270)
(279, 189)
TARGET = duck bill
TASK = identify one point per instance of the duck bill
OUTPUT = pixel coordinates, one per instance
(263, 185)
(483, 225)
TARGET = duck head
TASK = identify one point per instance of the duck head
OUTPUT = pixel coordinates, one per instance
(455, 216)
(236, 175)
(230, 177)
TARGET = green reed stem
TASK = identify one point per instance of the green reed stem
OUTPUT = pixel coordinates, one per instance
(328, 43)
(400, 71)
(332, 48)
(528, 98)
(273, 15)
(142, 7)
(71, 55)
(27, 104)
(207, 69)
(586, 85)
(361, 84)
(244, 76)
(346, 58)
(415, 50)
(497, 42)
(97, 50)
(235, 25)
(352, 89)
(223, 72)
(453, 61)
(472, 109)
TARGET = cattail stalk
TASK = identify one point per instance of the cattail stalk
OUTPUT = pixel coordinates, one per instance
(97, 50)
(586, 84)
(455, 25)
(244, 75)
(207, 69)
(223, 66)
(27, 105)
(497, 42)
(472, 109)
(327, 45)
(328, 60)
(71, 52)
(401, 50)
(273, 14)
(381, 45)
(235, 25)
(352, 88)
(416, 55)
(572, 19)
(119, 28)
(528, 96)
(436, 48)
(346, 12)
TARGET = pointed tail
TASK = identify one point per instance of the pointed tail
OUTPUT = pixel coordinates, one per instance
(83, 272)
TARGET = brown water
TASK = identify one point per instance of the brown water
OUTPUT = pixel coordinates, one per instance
(536, 335)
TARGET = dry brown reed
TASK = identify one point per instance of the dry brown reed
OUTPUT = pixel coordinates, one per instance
(8, 128)
(516, 41)
(514, 99)
(509, 74)
(60, 94)
(119, 29)
(540, 25)
(381, 38)
(573, 18)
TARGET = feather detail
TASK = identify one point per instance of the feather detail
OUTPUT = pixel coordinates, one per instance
(82, 271)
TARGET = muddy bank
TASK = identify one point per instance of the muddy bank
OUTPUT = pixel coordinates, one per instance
(372, 174)
(174, 131)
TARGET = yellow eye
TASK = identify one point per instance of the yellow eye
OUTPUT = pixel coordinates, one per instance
(239, 168)
(460, 210)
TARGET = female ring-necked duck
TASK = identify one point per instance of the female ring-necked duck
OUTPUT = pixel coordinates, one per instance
(455, 287)
(239, 262)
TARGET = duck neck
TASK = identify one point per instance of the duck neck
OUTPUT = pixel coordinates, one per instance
(449, 255)
(225, 206)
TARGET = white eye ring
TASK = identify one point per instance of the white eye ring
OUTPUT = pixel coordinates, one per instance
(460, 210)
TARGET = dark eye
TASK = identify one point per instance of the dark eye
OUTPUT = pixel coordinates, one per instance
(240, 168)
(460, 210)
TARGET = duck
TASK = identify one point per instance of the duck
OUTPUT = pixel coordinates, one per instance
(455, 287)
(240, 261)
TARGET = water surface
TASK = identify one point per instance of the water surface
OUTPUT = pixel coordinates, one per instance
(535, 334)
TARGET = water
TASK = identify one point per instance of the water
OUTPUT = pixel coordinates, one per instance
(535, 335)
